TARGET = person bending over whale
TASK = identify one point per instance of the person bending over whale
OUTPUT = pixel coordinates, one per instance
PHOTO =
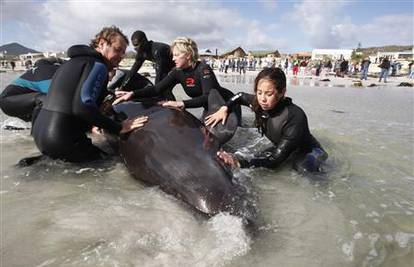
(283, 122)
(197, 79)
(24, 96)
(158, 53)
(74, 97)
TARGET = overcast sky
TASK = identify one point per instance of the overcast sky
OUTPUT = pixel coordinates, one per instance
(289, 26)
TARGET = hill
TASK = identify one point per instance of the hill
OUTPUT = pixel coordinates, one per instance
(15, 49)
(388, 48)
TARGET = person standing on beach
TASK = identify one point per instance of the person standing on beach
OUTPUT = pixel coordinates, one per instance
(343, 68)
(385, 68)
(364, 68)
(226, 64)
(75, 95)
(295, 67)
(159, 53)
(410, 70)
(328, 66)
(286, 66)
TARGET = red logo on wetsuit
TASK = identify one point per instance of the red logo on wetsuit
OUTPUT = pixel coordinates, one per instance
(190, 82)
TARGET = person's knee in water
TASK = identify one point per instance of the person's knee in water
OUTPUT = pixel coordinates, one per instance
(24, 96)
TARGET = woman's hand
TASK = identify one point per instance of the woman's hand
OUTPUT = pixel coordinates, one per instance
(173, 104)
(122, 96)
(219, 115)
(131, 124)
(228, 159)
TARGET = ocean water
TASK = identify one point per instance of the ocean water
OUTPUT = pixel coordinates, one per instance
(360, 212)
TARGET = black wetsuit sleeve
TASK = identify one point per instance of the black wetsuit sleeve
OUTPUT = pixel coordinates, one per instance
(139, 60)
(208, 82)
(116, 84)
(85, 103)
(162, 65)
(292, 137)
(156, 90)
(240, 99)
(270, 158)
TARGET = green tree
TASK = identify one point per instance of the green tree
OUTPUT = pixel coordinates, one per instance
(359, 49)
(356, 56)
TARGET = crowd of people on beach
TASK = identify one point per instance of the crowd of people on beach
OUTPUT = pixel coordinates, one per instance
(301, 67)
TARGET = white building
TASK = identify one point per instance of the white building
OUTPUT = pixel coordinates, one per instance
(35, 56)
(402, 55)
(319, 54)
(31, 56)
(205, 53)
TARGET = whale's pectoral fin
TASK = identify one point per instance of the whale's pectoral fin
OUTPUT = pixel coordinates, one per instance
(223, 132)
(25, 162)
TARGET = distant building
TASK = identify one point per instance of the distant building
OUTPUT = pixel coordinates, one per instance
(205, 53)
(264, 53)
(319, 54)
(237, 52)
(301, 55)
(31, 56)
(207, 56)
(36, 56)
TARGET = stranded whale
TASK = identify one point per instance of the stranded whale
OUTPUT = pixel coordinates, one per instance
(176, 152)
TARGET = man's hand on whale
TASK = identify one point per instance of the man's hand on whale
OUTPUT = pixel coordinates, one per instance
(122, 96)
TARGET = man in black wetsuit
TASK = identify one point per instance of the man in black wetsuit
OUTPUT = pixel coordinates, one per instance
(23, 97)
(74, 97)
(284, 123)
(159, 53)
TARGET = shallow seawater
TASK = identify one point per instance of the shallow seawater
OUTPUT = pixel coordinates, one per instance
(359, 212)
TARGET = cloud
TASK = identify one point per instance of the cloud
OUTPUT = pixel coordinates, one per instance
(57, 25)
(259, 36)
(54, 26)
(381, 31)
(269, 4)
(327, 25)
(318, 21)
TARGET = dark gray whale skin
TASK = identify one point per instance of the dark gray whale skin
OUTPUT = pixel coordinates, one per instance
(177, 153)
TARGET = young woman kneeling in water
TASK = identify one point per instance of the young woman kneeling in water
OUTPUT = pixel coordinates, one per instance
(284, 123)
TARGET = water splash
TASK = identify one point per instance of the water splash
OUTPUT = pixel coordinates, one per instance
(230, 240)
